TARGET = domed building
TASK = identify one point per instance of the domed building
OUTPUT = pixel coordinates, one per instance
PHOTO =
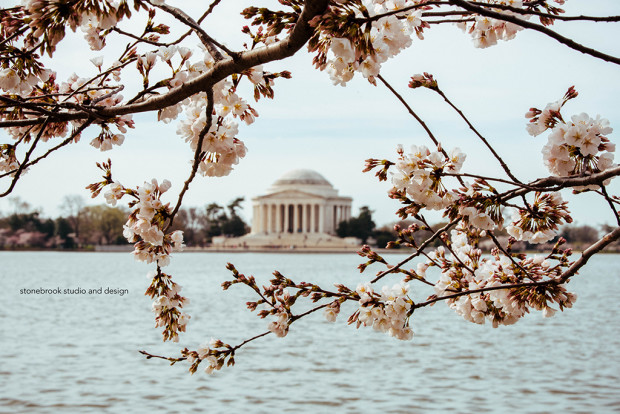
(300, 202)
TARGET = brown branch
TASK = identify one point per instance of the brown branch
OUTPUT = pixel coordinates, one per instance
(417, 118)
(417, 252)
(204, 16)
(548, 15)
(399, 11)
(537, 27)
(62, 144)
(481, 290)
(299, 35)
(508, 255)
(611, 204)
(170, 359)
(589, 252)
(14, 35)
(204, 37)
(469, 124)
(136, 37)
(197, 156)
(26, 158)
(554, 183)
(234, 348)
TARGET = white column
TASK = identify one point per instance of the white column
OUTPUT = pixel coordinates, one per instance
(312, 218)
(285, 230)
(263, 216)
(269, 223)
(294, 218)
(278, 218)
(304, 215)
(321, 218)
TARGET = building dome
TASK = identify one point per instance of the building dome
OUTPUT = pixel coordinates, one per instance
(307, 181)
(301, 177)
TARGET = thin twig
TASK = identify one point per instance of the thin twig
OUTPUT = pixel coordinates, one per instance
(611, 204)
(197, 155)
(417, 252)
(483, 139)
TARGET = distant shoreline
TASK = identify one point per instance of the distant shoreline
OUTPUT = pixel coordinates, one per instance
(268, 250)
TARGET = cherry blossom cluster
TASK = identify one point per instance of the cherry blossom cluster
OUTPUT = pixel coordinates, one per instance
(13, 83)
(279, 327)
(214, 353)
(577, 147)
(167, 305)
(466, 270)
(387, 37)
(146, 228)
(8, 161)
(48, 20)
(146, 223)
(419, 174)
(538, 222)
(220, 147)
(486, 31)
(388, 312)
(148, 220)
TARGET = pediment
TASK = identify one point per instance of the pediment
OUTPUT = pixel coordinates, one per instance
(291, 195)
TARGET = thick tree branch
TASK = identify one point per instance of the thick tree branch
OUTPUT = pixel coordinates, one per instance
(589, 252)
(299, 35)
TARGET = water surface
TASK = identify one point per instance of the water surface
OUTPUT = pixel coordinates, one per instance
(77, 353)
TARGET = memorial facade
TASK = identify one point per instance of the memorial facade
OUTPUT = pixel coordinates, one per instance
(300, 202)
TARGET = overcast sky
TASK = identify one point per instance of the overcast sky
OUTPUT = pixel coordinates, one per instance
(312, 124)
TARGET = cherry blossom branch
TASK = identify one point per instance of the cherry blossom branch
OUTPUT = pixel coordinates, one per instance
(26, 158)
(412, 113)
(508, 255)
(14, 35)
(482, 177)
(198, 154)
(449, 248)
(611, 204)
(537, 27)
(417, 252)
(66, 141)
(483, 139)
(402, 10)
(589, 252)
(170, 359)
(204, 16)
(299, 35)
(486, 289)
(136, 37)
(548, 15)
(554, 183)
(204, 37)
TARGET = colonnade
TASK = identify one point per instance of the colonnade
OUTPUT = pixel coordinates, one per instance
(295, 217)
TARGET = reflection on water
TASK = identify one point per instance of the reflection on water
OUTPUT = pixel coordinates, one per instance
(77, 353)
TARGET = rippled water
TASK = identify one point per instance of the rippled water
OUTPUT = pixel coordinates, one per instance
(78, 353)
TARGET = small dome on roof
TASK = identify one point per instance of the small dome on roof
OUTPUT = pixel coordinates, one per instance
(305, 177)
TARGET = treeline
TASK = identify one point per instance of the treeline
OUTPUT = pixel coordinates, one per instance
(82, 227)
(364, 228)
